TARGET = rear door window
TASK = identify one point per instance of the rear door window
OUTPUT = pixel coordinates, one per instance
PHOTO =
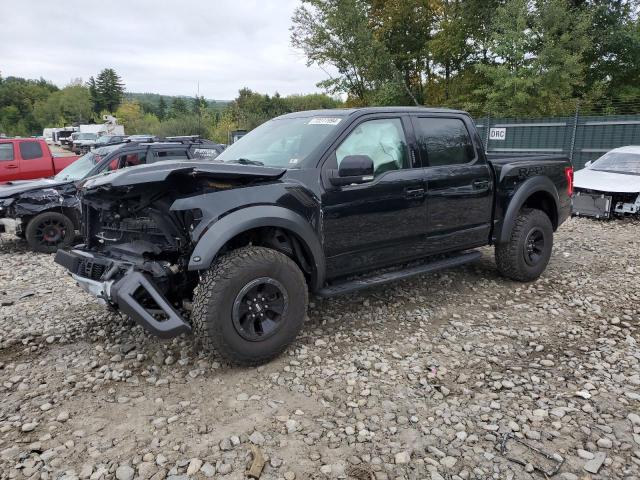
(6, 152)
(30, 150)
(443, 141)
(172, 154)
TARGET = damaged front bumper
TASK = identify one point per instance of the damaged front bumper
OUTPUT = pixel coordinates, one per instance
(132, 292)
(604, 204)
(10, 225)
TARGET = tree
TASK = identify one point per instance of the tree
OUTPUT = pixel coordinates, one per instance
(108, 90)
(178, 108)
(69, 105)
(537, 52)
(162, 109)
(337, 33)
(96, 100)
(134, 120)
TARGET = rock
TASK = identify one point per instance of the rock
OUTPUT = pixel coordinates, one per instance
(29, 427)
(86, 471)
(125, 472)
(448, 462)
(604, 442)
(634, 418)
(402, 458)
(146, 470)
(63, 416)
(289, 475)
(257, 438)
(292, 426)
(592, 466)
(225, 469)
(208, 470)
(194, 466)
(585, 455)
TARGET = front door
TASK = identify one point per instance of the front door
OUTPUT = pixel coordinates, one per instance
(380, 222)
(9, 166)
(458, 184)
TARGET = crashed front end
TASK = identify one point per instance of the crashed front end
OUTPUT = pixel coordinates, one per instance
(21, 201)
(604, 205)
(140, 229)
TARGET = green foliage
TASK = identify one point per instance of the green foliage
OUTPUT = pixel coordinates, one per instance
(518, 57)
(178, 108)
(135, 120)
(18, 97)
(66, 106)
(106, 90)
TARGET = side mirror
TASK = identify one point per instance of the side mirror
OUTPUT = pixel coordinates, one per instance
(353, 169)
(588, 164)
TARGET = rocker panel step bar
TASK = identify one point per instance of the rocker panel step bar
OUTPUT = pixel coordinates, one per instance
(366, 282)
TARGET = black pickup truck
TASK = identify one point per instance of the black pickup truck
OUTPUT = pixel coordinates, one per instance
(326, 202)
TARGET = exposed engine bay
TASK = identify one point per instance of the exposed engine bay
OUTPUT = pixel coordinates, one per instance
(139, 237)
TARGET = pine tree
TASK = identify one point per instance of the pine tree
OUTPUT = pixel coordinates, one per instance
(162, 109)
(110, 89)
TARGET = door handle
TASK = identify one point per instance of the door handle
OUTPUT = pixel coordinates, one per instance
(478, 184)
(11, 166)
(417, 192)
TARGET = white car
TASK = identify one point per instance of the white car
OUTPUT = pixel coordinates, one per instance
(609, 185)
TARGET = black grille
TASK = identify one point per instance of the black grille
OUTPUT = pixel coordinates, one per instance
(90, 269)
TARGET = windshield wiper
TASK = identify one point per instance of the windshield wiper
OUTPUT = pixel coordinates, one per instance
(246, 161)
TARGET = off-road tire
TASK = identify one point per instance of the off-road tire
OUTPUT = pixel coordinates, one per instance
(511, 256)
(33, 232)
(220, 285)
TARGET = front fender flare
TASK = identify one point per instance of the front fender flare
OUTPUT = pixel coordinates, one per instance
(528, 188)
(223, 230)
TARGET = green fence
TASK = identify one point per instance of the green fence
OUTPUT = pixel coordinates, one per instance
(580, 137)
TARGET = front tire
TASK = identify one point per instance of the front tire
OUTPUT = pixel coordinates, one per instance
(250, 305)
(527, 252)
(49, 231)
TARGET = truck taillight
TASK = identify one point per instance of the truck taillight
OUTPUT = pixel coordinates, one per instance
(568, 173)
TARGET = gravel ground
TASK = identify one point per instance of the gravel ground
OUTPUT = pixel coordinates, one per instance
(421, 379)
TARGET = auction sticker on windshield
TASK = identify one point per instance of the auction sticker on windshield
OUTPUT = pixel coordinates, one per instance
(324, 121)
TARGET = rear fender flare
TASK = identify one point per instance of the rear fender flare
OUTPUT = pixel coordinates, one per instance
(220, 232)
(529, 187)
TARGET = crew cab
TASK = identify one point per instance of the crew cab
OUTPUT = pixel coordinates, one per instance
(323, 202)
(29, 158)
(46, 212)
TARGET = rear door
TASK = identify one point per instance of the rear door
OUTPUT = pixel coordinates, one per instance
(33, 163)
(383, 221)
(458, 183)
(9, 166)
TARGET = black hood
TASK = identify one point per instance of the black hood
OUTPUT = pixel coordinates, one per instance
(160, 171)
(22, 186)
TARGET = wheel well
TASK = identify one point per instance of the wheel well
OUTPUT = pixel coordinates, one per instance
(279, 239)
(545, 202)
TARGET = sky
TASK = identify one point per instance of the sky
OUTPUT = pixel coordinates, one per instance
(160, 46)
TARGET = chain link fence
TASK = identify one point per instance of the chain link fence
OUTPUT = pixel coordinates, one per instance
(585, 135)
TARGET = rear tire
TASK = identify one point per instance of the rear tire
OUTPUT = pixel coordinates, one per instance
(527, 252)
(250, 305)
(49, 231)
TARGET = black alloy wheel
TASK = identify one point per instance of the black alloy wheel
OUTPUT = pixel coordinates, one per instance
(259, 308)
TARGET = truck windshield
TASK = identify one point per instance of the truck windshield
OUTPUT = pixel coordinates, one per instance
(282, 142)
(618, 162)
(87, 136)
(81, 167)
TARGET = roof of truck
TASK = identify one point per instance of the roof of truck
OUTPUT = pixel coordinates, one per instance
(344, 112)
